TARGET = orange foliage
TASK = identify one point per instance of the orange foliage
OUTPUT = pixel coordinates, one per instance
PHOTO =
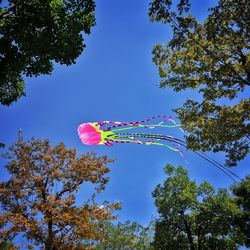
(39, 198)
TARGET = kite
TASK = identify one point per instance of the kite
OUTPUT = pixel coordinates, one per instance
(110, 132)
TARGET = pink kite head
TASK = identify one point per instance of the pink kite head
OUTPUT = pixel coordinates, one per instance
(89, 134)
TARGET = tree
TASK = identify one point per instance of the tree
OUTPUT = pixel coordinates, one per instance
(39, 199)
(241, 192)
(128, 235)
(34, 34)
(194, 216)
(212, 58)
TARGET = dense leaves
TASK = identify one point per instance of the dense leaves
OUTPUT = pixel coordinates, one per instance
(33, 34)
(38, 201)
(5, 245)
(194, 216)
(126, 236)
(241, 192)
(212, 58)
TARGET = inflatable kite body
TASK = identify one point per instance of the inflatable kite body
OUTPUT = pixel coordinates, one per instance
(91, 134)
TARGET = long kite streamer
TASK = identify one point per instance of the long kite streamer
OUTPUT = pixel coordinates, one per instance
(110, 132)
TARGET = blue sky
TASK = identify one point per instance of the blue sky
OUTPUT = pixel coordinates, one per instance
(114, 79)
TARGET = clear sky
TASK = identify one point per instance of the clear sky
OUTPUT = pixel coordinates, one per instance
(114, 79)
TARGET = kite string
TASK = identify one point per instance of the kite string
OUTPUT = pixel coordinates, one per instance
(207, 158)
(179, 142)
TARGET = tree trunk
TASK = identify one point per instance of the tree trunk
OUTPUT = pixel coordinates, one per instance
(49, 242)
(188, 231)
(200, 234)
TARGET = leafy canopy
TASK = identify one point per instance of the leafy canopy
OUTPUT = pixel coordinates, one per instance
(194, 216)
(241, 192)
(34, 34)
(126, 236)
(212, 58)
(39, 200)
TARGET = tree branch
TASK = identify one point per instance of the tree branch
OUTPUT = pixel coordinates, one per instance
(10, 9)
(200, 236)
(188, 230)
(6, 13)
(67, 189)
(66, 232)
(209, 52)
(44, 188)
(62, 192)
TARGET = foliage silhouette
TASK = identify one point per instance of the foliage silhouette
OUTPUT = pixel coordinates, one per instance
(34, 34)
